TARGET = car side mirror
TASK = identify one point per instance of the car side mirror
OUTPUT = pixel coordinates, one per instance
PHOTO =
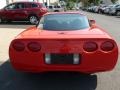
(92, 23)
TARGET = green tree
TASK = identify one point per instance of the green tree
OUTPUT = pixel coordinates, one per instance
(114, 1)
(70, 5)
(95, 2)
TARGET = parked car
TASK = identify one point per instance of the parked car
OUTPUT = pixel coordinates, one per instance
(107, 9)
(90, 9)
(64, 41)
(93, 9)
(53, 8)
(114, 9)
(31, 11)
(96, 9)
(50, 8)
(84, 8)
(101, 9)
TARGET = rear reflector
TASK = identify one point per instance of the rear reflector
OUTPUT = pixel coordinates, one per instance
(34, 46)
(90, 46)
(107, 46)
(18, 46)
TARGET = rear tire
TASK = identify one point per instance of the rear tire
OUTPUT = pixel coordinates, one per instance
(33, 19)
(0, 20)
(8, 21)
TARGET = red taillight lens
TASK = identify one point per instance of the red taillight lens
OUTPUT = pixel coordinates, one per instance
(34, 46)
(90, 46)
(18, 46)
(107, 46)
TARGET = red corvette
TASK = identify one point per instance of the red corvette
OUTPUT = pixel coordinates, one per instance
(64, 41)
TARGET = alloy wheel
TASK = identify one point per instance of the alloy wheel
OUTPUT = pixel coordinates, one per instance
(118, 13)
(33, 20)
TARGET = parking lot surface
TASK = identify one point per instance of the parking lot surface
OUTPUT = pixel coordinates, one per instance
(13, 80)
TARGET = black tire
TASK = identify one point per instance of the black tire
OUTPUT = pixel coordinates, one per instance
(33, 19)
(118, 13)
(56, 11)
(8, 21)
(99, 11)
(1, 20)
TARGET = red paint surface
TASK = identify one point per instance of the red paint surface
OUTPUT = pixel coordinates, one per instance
(24, 13)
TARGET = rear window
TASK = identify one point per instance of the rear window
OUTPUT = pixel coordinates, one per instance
(56, 6)
(50, 7)
(62, 22)
(20, 6)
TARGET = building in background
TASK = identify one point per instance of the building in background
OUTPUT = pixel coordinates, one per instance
(3, 3)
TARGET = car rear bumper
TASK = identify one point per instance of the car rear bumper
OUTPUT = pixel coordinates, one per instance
(90, 63)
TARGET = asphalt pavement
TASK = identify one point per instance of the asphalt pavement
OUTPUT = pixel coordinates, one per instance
(13, 80)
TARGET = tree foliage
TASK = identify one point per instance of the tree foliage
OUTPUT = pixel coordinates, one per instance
(85, 2)
(114, 1)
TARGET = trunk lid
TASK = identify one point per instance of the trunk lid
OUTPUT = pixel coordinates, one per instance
(74, 34)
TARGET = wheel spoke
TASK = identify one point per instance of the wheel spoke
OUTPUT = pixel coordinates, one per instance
(33, 19)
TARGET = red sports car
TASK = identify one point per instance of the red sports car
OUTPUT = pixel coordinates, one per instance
(64, 41)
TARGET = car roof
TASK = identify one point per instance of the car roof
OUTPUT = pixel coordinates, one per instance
(27, 2)
(68, 12)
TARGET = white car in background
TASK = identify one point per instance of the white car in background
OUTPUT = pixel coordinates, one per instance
(113, 9)
(53, 8)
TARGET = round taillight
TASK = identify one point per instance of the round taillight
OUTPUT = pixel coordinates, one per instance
(90, 46)
(107, 46)
(18, 46)
(34, 46)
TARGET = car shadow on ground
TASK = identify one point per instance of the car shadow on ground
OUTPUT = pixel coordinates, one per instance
(15, 24)
(13, 80)
(117, 16)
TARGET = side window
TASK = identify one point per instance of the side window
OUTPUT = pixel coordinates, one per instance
(58, 6)
(11, 7)
(20, 6)
(119, 6)
(50, 7)
(34, 5)
(116, 5)
(28, 5)
(55, 6)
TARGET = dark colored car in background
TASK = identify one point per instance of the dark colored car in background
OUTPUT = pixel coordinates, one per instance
(115, 10)
(22, 11)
